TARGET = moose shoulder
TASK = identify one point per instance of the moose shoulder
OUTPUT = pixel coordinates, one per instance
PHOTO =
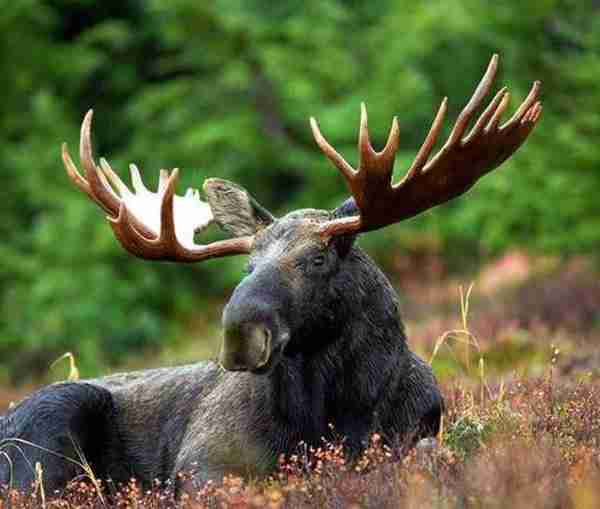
(312, 334)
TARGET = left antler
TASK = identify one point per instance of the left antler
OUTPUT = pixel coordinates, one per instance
(452, 171)
(152, 225)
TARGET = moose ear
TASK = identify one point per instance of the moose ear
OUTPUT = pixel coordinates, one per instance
(234, 209)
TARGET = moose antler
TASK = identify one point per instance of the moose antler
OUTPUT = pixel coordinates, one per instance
(429, 182)
(153, 225)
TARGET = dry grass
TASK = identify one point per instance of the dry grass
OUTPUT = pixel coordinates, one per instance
(535, 444)
(521, 428)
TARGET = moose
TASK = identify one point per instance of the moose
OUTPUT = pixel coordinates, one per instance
(313, 340)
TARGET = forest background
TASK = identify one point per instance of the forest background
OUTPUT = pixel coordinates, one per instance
(225, 88)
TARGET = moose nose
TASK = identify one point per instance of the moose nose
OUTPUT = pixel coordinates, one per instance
(246, 346)
(253, 324)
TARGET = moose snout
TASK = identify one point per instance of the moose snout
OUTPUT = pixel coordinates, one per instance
(255, 329)
(254, 333)
(246, 346)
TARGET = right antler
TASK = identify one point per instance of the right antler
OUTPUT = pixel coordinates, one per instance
(154, 226)
(448, 174)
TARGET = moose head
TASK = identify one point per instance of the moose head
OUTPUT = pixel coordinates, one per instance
(296, 268)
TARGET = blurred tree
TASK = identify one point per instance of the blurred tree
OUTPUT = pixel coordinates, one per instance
(225, 88)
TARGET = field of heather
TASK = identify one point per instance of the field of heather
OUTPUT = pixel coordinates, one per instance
(514, 346)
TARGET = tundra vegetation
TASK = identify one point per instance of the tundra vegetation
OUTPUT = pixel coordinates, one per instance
(226, 90)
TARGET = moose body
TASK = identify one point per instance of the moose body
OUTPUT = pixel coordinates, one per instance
(313, 343)
(347, 372)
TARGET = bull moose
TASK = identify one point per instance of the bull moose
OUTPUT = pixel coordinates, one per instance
(312, 334)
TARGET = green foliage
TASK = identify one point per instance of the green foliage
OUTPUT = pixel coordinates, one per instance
(225, 88)
(466, 435)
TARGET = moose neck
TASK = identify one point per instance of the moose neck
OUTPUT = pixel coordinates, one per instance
(356, 355)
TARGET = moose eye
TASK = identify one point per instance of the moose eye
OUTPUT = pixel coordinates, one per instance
(319, 260)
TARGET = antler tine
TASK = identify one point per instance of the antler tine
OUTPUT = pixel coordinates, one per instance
(136, 179)
(114, 179)
(163, 178)
(106, 198)
(476, 99)
(83, 184)
(365, 150)
(372, 161)
(73, 174)
(423, 155)
(537, 112)
(393, 142)
(106, 184)
(167, 221)
(525, 106)
(332, 154)
(497, 115)
(485, 117)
